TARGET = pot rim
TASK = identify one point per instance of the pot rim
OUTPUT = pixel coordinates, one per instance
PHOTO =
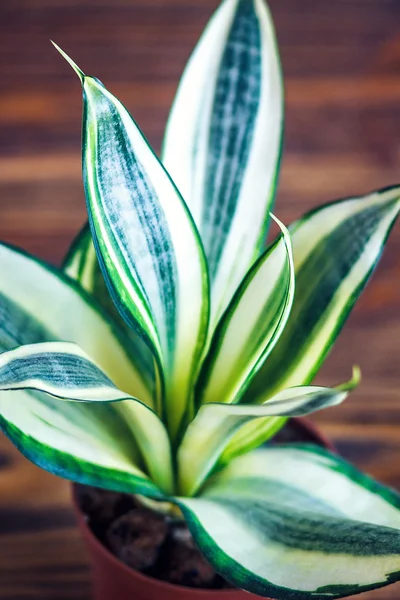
(159, 584)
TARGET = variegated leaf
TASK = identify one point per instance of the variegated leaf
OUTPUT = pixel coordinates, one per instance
(251, 325)
(297, 522)
(81, 264)
(64, 371)
(215, 424)
(84, 442)
(146, 242)
(43, 305)
(336, 248)
(223, 139)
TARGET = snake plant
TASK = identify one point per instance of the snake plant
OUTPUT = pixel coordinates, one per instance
(172, 345)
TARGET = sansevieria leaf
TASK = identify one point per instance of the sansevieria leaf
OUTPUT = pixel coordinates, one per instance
(336, 248)
(215, 424)
(63, 370)
(42, 305)
(86, 442)
(81, 264)
(223, 139)
(251, 325)
(146, 242)
(267, 526)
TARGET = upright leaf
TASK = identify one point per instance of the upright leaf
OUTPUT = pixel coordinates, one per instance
(223, 139)
(147, 245)
(251, 325)
(336, 248)
(297, 522)
(80, 263)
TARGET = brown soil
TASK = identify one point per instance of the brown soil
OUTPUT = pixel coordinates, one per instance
(155, 544)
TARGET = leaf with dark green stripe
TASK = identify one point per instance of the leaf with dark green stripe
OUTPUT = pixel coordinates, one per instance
(146, 243)
(222, 144)
(336, 248)
(251, 325)
(72, 440)
(80, 259)
(56, 308)
(297, 522)
(81, 264)
(85, 442)
(215, 424)
(63, 370)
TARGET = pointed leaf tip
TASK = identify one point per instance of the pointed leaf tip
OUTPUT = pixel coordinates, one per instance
(353, 383)
(69, 60)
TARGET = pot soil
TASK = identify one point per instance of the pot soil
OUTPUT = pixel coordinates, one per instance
(138, 554)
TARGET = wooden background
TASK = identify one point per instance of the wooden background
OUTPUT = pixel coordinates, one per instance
(342, 65)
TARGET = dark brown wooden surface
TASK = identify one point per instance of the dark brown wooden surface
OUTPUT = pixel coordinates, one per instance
(342, 68)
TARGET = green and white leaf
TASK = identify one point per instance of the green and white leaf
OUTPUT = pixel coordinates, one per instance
(83, 442)
(63, 370)
(223, 140)
(88, 443)
(297, 522)
(81, 264)
(215, 424)
(146, 242)
(336, 248)
(255, 433)
(40, 304)
(251, 325)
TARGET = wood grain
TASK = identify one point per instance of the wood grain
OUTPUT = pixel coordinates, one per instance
(341, 60)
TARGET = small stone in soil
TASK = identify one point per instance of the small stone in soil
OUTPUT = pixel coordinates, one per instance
(182, 563)
(102, 506)
(137, 537)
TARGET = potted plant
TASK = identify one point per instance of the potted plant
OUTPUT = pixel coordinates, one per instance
(172, 346)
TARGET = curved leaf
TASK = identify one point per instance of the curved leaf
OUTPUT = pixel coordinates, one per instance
(43, 305)
(336, 248)
(55, 307)
(297, 522)
(251, 325)
(81, 264)
(146, 243)
(215, 424)
(86, 443)
(253, 434)
(222, 144)
(63, 370)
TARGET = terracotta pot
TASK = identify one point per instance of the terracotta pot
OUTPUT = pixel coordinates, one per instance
(113, 580)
